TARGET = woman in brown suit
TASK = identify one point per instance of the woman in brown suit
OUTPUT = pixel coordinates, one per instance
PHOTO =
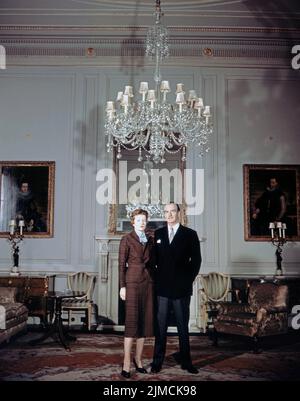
(136, 289)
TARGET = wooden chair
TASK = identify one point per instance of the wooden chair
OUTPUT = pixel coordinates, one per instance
(83, 282)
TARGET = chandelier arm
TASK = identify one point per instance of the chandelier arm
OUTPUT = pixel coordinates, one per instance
(174, 151)
(129, 148)
(178, 143)
(118, 142)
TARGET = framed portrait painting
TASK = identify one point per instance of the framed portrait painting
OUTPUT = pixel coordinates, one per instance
(271, 194)
(27, 196)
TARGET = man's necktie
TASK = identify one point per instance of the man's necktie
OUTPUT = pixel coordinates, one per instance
(171, 235)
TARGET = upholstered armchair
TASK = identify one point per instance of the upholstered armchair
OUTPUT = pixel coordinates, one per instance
(265, 314)
(13, 315)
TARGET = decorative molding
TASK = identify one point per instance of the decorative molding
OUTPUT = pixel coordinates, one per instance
(203, 48)
(80, 29)
(138, 41)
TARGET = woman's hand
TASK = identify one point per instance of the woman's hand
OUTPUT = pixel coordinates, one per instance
(123, 293)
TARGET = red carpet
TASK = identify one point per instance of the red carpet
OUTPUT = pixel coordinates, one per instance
(99, 357)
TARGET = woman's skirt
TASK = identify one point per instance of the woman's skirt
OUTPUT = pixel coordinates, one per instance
(139, 309)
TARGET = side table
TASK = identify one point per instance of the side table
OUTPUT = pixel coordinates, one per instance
(56, 329)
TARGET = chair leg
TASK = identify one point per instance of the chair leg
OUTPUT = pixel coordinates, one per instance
(87, 314)
(256, 349)
(89, 318)
(215, 338)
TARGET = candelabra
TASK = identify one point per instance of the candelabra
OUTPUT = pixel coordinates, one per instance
(278, 239)
(15, 237)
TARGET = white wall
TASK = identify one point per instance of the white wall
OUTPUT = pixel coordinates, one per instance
(56, 113)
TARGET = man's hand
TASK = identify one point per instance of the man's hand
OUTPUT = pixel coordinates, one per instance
(123, 293)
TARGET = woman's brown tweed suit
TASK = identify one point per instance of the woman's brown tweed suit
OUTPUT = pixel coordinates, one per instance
(135, 273)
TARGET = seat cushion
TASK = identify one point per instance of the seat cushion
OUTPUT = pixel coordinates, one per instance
(13, 310)
(76, 303)
(239, 318)
(242, 329)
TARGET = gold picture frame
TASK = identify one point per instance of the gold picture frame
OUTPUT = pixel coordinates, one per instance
(27, 193)
(262, 205)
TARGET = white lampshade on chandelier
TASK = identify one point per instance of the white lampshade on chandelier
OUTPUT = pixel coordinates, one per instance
(152, 124)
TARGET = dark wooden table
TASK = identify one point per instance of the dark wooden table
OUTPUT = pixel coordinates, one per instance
(56, 328)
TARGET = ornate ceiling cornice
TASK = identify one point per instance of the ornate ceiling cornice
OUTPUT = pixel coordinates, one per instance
(117, 28)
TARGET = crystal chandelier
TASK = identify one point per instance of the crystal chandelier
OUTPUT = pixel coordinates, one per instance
(152, 124)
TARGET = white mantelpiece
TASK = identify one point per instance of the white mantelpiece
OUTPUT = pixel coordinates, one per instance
(108, 286)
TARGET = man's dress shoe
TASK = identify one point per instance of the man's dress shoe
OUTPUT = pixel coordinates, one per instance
(155, 368)
(190, 368)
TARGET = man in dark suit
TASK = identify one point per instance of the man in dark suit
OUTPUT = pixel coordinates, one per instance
(178, 260)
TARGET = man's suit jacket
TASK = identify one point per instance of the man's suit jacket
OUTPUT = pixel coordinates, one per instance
(177, 263)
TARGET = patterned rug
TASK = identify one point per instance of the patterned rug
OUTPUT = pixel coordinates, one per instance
(98, 357)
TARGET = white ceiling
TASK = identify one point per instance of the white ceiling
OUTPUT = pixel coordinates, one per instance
(178, 13)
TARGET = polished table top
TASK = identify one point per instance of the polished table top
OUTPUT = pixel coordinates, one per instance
(64, 294)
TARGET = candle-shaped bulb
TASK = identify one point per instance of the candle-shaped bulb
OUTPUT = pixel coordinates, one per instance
(151, 97)
(143, 87)
(283, 230)
(179, 88)
(165, 86)
(199, 103)
(192, 95)
(180, 98)
(110, 106)
(128, 91)
(206, 111)
(21, 225)
(125, 100)
(271, 227)
(119, 96)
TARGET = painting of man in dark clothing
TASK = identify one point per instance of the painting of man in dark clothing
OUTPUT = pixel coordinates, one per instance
(271, 194)
(269, 207)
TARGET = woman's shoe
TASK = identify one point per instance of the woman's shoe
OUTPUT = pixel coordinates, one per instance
(140, 370)
(125, 374)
